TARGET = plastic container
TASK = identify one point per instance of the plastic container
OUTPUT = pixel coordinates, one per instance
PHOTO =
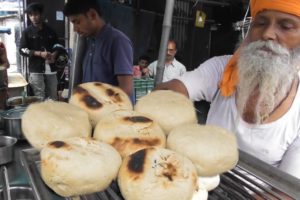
(142, 87)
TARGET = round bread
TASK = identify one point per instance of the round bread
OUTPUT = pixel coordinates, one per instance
(157, 173)
(200, 194)
(209, 183)
(170, 109)
(212, 149)
(129, 131)
(51, 120)
(78, 166)
(99, 99)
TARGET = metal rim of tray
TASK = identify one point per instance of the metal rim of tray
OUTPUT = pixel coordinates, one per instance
(234, 182)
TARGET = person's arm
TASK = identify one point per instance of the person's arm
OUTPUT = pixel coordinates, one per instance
(122, 57)
(24, 49)
(151, 69)
(27, 52)
(125, 83)
(3, 56)
(183, 70)
(290, 162)
(174, 85)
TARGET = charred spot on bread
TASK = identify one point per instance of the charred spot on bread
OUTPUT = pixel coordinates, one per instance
(110, 92)
(121, 144)
(97, 84)
(170, 171)
(80, 90)
(115, 96)
(137, 161)
(91, 102)
(58, 144)
(148, 142)
(137, 119)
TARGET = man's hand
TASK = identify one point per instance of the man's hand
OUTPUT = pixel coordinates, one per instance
(145, 72)
(52, 57)
(46, 55)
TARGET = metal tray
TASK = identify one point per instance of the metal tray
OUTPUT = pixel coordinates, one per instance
(250, 177)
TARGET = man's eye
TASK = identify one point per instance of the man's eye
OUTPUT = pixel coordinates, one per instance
(259, 23)
(287, 26)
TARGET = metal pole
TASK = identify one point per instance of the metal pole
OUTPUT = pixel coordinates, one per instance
(76, 63)
(167, 24)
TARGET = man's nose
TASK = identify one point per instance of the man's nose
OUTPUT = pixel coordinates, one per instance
(269, 33)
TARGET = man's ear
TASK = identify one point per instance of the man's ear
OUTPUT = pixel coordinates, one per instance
(92, 14)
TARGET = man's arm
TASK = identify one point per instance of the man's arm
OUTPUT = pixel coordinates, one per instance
(27, 52)
(3, 56)
(125, 83)
(290, 162)
(151, 69)
(174, 85)
(24, 50)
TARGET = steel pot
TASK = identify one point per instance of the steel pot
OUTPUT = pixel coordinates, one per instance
(12, 122)
(1, 121)
(7, 149)
(17, 101)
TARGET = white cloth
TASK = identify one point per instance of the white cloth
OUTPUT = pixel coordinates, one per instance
(276, 143)
(171, 71)
(48, 69)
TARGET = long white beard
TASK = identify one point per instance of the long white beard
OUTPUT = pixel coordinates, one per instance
(270, 72)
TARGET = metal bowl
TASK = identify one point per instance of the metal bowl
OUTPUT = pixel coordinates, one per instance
(19, 193)
(12, 122)
(22, 101)
(7, 149)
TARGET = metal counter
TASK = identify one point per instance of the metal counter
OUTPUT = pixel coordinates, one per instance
(16, 172)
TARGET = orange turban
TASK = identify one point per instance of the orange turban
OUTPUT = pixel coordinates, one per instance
(230, 76)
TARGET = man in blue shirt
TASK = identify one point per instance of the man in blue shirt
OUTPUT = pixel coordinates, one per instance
(109, 54)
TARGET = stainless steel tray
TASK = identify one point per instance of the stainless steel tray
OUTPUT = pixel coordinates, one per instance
(30, 159)
(250, 177)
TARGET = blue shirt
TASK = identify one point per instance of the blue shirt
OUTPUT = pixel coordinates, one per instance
(108, 55)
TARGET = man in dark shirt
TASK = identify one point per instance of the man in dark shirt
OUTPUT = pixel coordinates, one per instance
(36, 43)
(109, 53)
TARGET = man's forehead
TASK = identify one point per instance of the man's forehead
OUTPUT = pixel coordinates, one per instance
(34, 13)
(76, 17)
(278, 14)
(285, 6)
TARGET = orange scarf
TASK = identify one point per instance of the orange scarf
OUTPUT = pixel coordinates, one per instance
(230, 75)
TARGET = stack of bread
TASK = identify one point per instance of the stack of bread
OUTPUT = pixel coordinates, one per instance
(156, 151)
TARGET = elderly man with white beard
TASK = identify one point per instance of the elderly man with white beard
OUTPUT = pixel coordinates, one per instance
(255, 93)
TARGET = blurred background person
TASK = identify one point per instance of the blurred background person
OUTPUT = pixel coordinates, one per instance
(141, 70)
(173, 68)
(4, 64)
(36, 43)
(109, 52)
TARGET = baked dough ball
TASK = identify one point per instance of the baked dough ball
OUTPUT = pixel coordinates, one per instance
(52, 120)
(99, 99)
(200, 194)
(212, 149)
(157, 173)
(129, 131)
(170, 109)
(209, 183)
(78, 166)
